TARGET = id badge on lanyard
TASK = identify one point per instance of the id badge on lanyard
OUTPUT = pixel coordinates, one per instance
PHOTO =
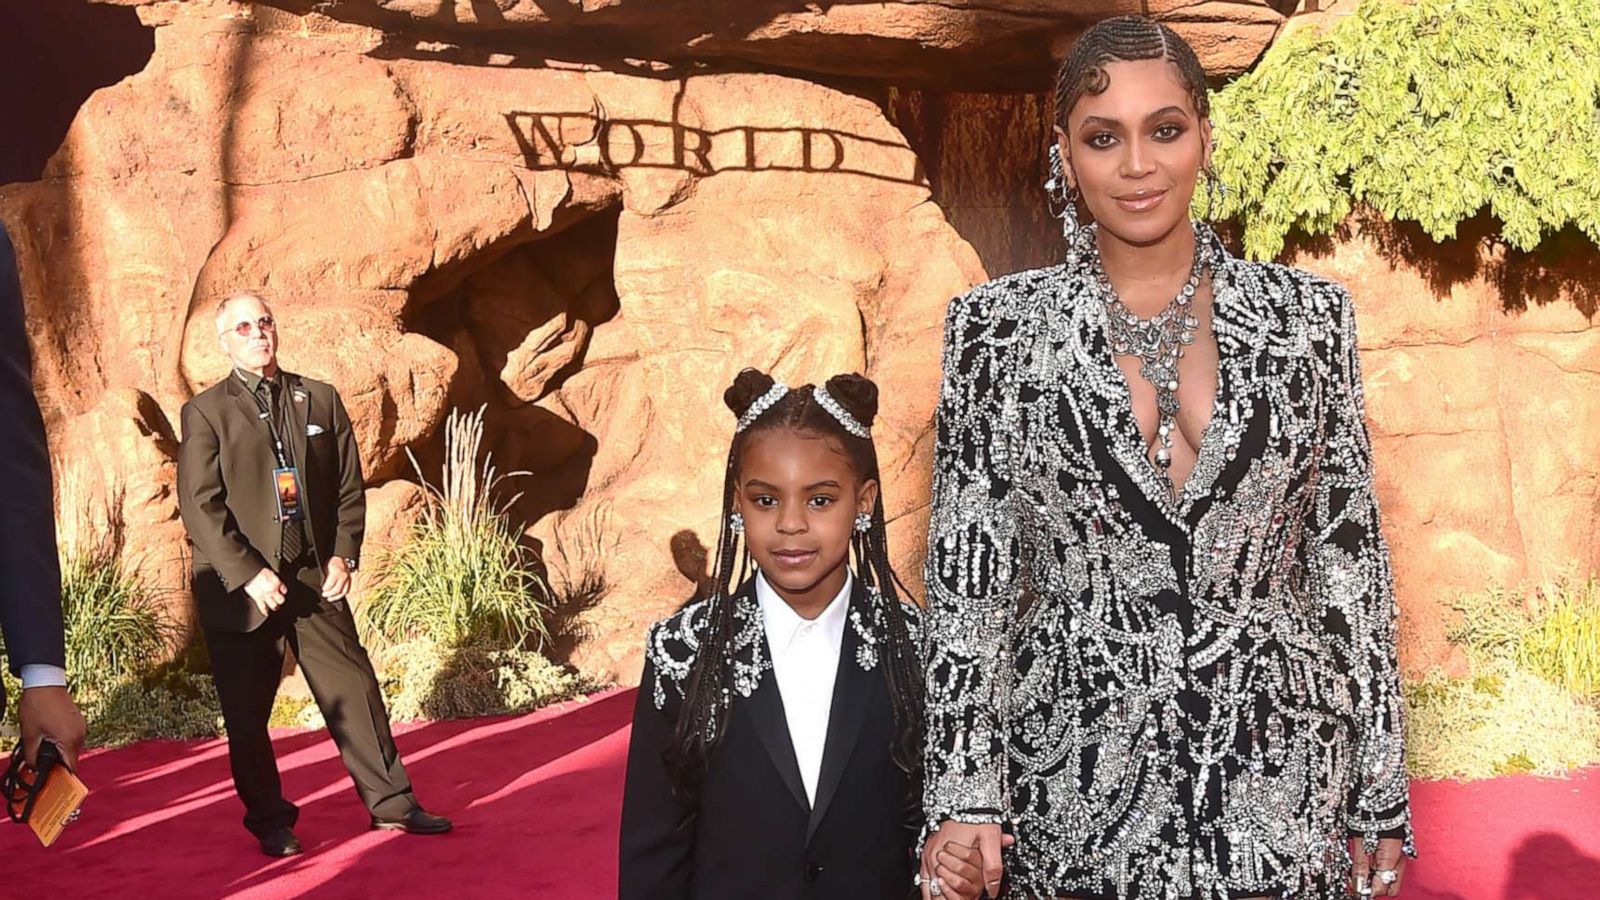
(287, 481)
(285, 478)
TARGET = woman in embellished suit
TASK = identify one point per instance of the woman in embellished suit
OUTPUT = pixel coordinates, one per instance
(1161, 635)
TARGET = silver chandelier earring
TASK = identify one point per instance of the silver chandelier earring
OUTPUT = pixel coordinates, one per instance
(1216, 194)
(863, 523)
(736, 523)
(1063, 201)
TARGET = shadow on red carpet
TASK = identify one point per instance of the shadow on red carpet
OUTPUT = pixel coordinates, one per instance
(536, 801)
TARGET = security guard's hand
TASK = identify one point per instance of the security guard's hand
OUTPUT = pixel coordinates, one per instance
(267, 591)
(337, 584)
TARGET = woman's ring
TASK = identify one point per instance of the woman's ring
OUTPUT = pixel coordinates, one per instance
(1387, 876)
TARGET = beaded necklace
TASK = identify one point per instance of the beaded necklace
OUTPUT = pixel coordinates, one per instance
(1158, 342)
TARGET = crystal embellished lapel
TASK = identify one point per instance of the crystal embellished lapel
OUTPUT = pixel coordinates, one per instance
(1220, 441)
(1112, 407)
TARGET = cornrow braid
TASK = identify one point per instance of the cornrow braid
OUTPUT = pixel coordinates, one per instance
(1125, 38)
(707, 694)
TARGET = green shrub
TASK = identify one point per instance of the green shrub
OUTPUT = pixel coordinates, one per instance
(114, 630)
(1562, 639)
(1429, 112)
(174, 705)
(463, 575)
(1498, 722)
(1529, 703)
(422, 679)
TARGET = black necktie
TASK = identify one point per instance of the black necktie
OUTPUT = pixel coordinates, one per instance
(293, 542)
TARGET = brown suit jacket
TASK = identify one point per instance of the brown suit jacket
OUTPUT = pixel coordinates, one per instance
(227, 498)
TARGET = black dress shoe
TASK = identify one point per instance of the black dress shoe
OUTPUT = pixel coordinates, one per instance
(417, 821)
(281, 843)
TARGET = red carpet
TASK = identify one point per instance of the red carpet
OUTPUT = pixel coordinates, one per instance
(536, 800)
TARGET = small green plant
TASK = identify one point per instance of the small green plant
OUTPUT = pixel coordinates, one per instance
(463, 575)
(114, 630)
(1529, 703)
(1497, 723)
(1562, 639)
(423, 680)
(173, 704)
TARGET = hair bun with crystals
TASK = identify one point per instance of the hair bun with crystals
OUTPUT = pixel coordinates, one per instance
(748, 387)
(857, 394)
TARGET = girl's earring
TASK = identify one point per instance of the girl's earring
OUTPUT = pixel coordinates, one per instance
(863, 523)
(736, 523)
(1062, 199)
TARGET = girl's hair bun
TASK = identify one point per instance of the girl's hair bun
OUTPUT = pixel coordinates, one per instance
(746, 389)
(857, 394)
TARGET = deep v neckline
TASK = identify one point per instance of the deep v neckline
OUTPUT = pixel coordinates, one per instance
(1128, 443)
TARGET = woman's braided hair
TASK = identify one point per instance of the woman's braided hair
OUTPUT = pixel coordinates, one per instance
(708, 689)
(1125, 38)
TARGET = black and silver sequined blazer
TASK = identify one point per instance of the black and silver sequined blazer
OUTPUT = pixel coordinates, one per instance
(1167, 697)
(752, 831)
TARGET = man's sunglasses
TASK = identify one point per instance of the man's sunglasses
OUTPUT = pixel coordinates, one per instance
(263, 325)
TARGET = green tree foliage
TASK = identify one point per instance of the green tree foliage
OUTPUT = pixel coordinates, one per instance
(1429, 112)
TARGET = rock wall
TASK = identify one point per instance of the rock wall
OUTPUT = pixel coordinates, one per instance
(445, 217)
(592, 254)
(1482, 376)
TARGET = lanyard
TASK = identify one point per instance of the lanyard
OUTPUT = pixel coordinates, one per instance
(274, 433)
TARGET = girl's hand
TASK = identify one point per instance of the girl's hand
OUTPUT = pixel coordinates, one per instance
(1367, 877)
(960, 871)
(953, 852)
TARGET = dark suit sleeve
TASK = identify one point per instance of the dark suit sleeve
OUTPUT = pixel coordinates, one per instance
(657, 841)
(352, 487)
(202, 502)
(30, 588)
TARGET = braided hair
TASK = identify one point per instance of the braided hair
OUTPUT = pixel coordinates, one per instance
(708, 689)
(1125, 38)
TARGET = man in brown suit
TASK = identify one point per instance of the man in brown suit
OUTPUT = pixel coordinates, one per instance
(270, 489)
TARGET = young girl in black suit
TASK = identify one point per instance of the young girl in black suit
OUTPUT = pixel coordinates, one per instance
(777, 737)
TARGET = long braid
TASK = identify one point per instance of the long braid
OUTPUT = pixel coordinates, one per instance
(707, 690)
(901, 660)
(1125, 38)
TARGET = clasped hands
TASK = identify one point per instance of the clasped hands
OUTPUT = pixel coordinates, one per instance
(268, 592)
(962, 861)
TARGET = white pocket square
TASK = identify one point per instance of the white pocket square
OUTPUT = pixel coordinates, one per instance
(313, 430)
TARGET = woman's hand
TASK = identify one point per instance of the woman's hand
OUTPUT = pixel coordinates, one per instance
(963, 861)
(1368, 878)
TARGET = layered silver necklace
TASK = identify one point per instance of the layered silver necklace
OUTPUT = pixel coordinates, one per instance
(1158, 342)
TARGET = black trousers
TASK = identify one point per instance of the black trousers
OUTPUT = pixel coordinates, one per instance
(246, 667)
